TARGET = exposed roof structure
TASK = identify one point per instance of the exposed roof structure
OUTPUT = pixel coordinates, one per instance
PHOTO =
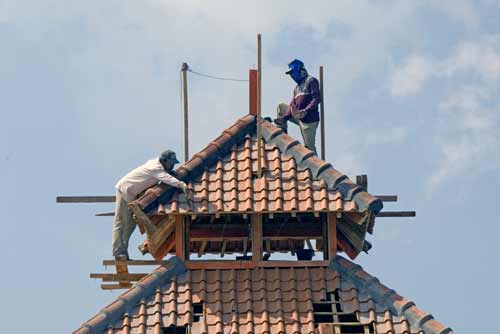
(337, 298)
(221, 180)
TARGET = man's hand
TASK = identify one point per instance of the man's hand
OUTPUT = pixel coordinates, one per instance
(184, 187)
(300, 114)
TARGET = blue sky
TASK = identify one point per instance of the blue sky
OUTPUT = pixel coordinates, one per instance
(90, 90)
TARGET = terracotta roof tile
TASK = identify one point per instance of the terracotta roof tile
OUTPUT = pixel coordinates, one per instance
(262, 300)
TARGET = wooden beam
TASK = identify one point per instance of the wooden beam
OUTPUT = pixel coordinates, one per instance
(324, 229)
(105, 214)
(85, 199)
(142, 219)
(332, 235)
(164, 231)
(218, 264)
(118, 277)
(293, 263)
(362, 180)
(166, 247)
(272, 231)
(223, 248)
(388, 198)
(180, 250)
(322, 113)
(136, 262)
(187, 236)
(115, 286)
(245, 246)
(231, 264)
(256, 237)
(201, 251)
(184, 68)
(396, 214)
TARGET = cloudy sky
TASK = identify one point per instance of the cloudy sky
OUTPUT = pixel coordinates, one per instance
(90, 90)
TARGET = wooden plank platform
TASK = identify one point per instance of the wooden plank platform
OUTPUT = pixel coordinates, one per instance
(136, 262)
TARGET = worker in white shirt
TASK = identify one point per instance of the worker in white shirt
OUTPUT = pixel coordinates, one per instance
(131, 185)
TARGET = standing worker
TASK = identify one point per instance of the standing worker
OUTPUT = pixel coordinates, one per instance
(303, 110)
(131, 185)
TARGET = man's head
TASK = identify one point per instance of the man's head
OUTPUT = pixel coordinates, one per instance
(168, 160)
(297, 71)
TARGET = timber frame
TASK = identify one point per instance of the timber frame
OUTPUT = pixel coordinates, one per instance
(176, 234)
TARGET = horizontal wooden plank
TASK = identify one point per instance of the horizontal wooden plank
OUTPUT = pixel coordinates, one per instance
(136, 262)
(219, 264)
(85, 199)
(219, 232)
(118, 277)
(284, 263)
(397, 214)
(105, 214)
(388, 198)
(382, 214)
(231, 264)
(115, 286)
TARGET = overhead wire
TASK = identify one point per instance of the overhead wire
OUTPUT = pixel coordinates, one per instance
(216, 77)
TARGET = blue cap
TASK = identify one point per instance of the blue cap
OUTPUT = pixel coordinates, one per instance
(294, 65)
(168, 156)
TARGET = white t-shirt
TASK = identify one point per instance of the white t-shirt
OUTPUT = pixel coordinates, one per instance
(143, 177)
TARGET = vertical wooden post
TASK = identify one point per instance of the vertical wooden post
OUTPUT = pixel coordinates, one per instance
(362, 180)
(187, 227)
(253, 92)
(180, 238)
(332, 235)
(184, 69)
(256, 237)
(324, 232)
(259, 105)
(322, 116)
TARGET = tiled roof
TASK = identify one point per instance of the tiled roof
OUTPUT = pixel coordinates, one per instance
(264, 300)
(221, 178)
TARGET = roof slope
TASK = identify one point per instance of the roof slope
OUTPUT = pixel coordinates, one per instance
(220, 178)
(264, 300)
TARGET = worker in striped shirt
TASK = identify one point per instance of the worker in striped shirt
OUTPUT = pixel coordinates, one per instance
(303, 109)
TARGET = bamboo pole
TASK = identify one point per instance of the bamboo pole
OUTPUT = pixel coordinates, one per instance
(322, 109)
(186, 118)
(259, 104)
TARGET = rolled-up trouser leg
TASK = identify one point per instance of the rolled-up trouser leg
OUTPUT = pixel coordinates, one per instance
(123, 227)
(280, 112)
(308, 131)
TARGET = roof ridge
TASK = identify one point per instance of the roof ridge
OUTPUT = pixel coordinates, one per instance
(388, 297)
(142, 288)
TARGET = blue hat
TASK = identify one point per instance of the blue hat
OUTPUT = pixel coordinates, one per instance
(168, 156)
(295, 66)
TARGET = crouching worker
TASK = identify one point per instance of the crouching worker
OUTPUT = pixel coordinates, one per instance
(131, 185)
(303, 110)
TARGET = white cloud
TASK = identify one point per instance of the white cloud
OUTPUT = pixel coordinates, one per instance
(468, 135)
(467, 130)
(409, 78)
(481, 57)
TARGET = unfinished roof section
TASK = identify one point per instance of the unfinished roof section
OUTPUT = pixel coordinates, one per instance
(221, 178)
(340, 298)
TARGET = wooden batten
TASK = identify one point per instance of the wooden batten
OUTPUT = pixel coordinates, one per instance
(180, 241)
(256, 237)
(332, 235)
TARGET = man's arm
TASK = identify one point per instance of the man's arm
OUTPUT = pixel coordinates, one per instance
(166, 178)
(316, 95)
